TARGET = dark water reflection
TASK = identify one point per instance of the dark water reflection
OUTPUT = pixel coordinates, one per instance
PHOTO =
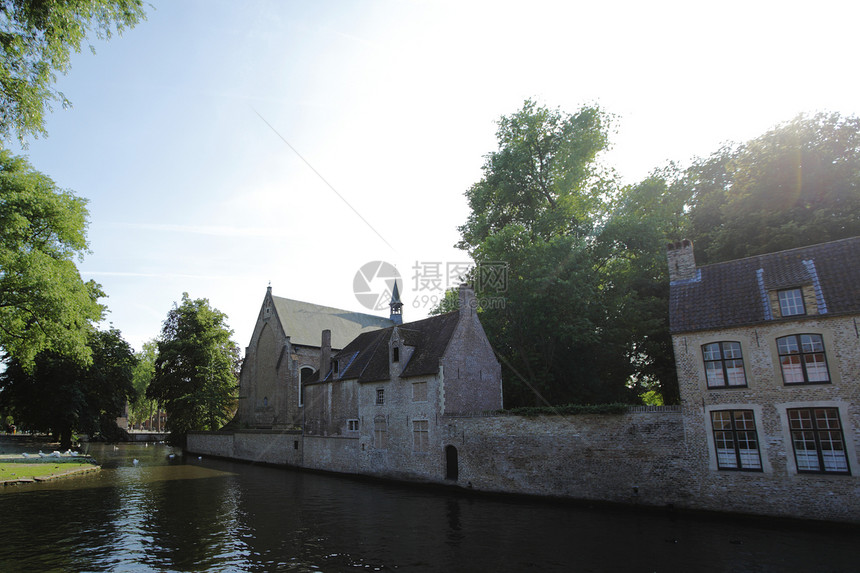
(187, 514)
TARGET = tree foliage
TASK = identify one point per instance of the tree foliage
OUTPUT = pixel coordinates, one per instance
(142, 408)
(197, 368)
(586, 301)
(61, 396)
(570, 299)
(796, 185)
(44, 303)
(37, 38)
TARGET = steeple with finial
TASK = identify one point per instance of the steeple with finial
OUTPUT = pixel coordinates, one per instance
(395, 305)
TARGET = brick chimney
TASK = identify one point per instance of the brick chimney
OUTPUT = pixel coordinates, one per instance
(325, 354)
(468, 304)
(682, 263)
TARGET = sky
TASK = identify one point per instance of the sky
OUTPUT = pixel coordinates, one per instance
(228, 146)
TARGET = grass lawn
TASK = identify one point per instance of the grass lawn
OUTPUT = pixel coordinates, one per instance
(13, 471)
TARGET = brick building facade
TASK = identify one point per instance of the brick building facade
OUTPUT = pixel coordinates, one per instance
(768, 358)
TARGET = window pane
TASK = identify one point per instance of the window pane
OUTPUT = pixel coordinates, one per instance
(744, 420)
(800, 419)
(792, 371)
(816, 368)
(787, 345)
(721, 419)
(735, 371)
(731, 349)
(811, 343)
(714, 373)
(711, 351)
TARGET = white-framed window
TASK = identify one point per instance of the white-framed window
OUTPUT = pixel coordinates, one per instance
(724, 364)
(380, 396)
(420, 436)
(736, 440)
(791, 302)
(419, 391)
(352, 425)
(802, 359)
(817, 440)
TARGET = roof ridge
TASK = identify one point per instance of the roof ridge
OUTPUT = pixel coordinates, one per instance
(772, 253)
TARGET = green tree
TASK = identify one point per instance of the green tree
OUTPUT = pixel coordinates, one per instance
(796, 185)
(142, 408)
(61, 396)
(197, 369)
(37, 38)
(44, 304)
(449, 302)
(643, 218)
(540, 207)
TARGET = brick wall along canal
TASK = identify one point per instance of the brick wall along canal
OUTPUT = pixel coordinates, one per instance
(181, 514)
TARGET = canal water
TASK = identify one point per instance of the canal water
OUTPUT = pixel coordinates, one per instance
(189, 514)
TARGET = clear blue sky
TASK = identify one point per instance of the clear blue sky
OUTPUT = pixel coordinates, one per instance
(394, 104)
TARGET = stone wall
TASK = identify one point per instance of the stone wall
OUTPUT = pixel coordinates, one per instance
(331, 453)
(262, 446)
(647, 458)
(628, 458)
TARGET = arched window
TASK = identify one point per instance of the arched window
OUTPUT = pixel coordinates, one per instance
(802, 359)
(304, 375)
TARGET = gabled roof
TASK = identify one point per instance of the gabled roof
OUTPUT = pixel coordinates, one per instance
(304, 322)
(366, 357)
(734, 293)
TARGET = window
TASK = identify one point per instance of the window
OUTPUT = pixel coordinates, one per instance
(395, 352)
(380, 433)
(380, 396)
(736, 440)
(724, 364)
(419, 391)
(791, 302)
(304, 375)
(352, 425)
(421, 436)
(816, 435)
(802, 359)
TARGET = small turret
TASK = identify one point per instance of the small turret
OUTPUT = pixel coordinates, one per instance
(395, 305)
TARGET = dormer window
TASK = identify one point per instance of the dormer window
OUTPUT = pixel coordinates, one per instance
(334, 366)
(791, 302)
(395, 354)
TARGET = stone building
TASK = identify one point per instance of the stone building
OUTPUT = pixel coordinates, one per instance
(375, 406)
(285, 350)
(768, 358)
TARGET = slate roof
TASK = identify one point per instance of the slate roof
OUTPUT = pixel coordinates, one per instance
(304, 322)
(734, 293)
(366, 357)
